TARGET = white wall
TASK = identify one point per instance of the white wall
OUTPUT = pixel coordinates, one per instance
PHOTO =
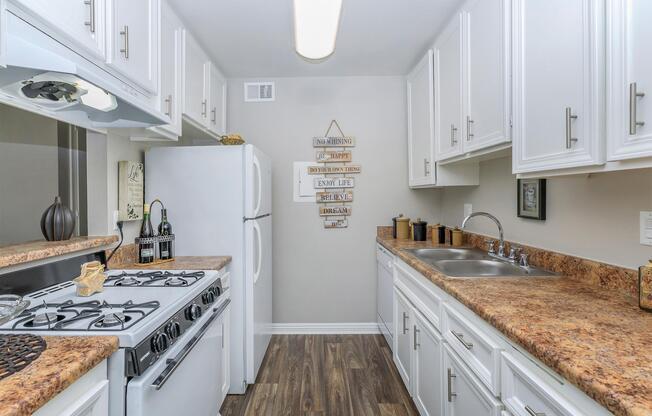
(320, 275)
(591, 216)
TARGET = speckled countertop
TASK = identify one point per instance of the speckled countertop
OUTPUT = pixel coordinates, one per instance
(64, 361)
(183, 263)
(36, 250)
(597, 339)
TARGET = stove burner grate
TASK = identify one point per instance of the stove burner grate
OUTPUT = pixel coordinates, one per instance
(18, 351)
(155, 278)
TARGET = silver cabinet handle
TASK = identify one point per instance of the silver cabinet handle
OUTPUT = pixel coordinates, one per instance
(450, 378)
(460, 338)
(569, 128)
(531, 412)
(168, 101)
(469, 122)
(633, 96)
(91, 21)
(426, 166)
(203, 108)
(416, 341)
(453, 138)
(214, 115)
(405, 328)
(125, 34)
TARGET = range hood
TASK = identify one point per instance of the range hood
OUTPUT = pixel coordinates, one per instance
(46, 77)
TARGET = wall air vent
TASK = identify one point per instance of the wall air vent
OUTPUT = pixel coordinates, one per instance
(259, 91)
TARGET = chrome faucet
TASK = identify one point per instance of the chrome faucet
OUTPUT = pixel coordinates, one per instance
(501, 243)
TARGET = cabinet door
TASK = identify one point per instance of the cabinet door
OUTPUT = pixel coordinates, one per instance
(217, 101)
(133, 32)
(427, 375)
(171, 80)
(3, 33)
(464, 394)
(402, 337)
(630, 80)
(225, 376)
(450, 129)
(558, 84)
(487, 66)
(421, 122)
(195, 66)
(77, 23)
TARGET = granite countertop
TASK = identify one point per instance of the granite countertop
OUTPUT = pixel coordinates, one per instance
(183, 263)
(13, 254)
(597, 339)
(64, 361)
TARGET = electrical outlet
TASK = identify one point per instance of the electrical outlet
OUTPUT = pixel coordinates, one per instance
(646, 228)
(116, 218)
(468, 209)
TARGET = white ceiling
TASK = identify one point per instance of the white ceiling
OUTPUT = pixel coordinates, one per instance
(255, 38)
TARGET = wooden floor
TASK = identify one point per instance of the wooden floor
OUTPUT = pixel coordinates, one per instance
(325, 375)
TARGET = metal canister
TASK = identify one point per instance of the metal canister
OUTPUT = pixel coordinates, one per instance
(420, 230)
(403, 228)
(394, 224)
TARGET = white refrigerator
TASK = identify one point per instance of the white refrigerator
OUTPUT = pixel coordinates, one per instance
(219, 202)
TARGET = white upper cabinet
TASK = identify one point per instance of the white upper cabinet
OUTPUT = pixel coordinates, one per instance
(133, 39)
(630, 79)
(196, 66)
(487, 74)
(77, 22)
(3, 37)
(448, 87)
(171, 69)
(558, 78)
(217, 101)
(421, 123)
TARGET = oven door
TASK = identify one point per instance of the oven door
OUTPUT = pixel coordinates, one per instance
(187, 380)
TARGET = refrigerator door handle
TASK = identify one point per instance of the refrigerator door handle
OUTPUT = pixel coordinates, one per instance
(245, 219)
(259, 261)
(259, 177)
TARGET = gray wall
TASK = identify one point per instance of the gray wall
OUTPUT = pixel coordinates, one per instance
(328, 276)
(29, 173)
(592, 216)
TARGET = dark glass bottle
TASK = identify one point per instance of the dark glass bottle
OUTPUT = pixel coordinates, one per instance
(165, 228)
(146, 251)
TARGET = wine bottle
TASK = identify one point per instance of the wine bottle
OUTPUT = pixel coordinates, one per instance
(165, 228)
(146, 250)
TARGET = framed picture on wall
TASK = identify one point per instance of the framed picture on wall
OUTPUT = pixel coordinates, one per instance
(531, 198)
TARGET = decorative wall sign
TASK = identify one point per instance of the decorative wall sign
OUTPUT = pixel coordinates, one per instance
(327, 197)
(531, 199)
(333, 156)
(331, 211)
(333, 170)
(130, 190)
(344, 141)
(343, 223)
(331, 183)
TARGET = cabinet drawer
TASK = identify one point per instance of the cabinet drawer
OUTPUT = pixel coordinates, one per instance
(420, 291)
(476, 347)
(527, 392)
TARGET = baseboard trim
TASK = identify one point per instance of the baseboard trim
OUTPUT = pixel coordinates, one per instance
(326, 329)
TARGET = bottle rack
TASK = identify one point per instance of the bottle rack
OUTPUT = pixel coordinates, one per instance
(155, 241)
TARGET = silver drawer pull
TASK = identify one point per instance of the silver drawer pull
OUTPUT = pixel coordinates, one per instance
(569, 128)
(531, 412)
(91, 21)
(416, 340)
(125, 33)
(460, 338)
(453, 138)
(450, 378)
(214, 115)
(469, 123)
(203, 108)
(168, 101)
(633, 96)
(405, 317)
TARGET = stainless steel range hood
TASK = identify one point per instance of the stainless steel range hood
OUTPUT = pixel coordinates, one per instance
(46, 77)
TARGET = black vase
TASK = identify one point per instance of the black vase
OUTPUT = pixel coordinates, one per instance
(57, 222)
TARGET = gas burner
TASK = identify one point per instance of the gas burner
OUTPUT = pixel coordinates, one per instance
(156, 278)
(46, 318)
(128, 281)
(113, 319)
(176, 281)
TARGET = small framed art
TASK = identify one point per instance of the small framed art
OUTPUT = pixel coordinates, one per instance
(531, 198)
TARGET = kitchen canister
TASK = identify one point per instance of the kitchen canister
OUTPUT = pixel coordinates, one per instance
(420, 230)
(403, 228)
(394, 224)
(57, 222)
(645, 287)
(456, 237)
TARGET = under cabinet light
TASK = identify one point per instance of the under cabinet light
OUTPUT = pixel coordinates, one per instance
(315, 27)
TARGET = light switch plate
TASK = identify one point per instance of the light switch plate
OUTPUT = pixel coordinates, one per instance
(116, 218)
(468, 209)
(646, 228)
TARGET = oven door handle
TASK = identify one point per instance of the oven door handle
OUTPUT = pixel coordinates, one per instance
(175, 362)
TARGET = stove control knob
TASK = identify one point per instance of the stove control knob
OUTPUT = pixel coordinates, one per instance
(173, 330)
(160, 343)
(193, 312)
(208, 297)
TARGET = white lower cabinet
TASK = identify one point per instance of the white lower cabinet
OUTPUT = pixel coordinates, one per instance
(427, 367)
(465, 395)
(225, 353)
(402, 336)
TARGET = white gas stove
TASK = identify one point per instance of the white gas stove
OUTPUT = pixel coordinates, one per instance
(161, 319)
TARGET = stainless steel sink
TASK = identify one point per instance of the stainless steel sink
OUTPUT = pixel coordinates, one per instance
(473, 263)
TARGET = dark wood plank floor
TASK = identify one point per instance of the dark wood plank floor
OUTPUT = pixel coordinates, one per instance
(325, 375)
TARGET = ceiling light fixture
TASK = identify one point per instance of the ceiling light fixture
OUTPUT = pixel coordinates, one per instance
(315, 27)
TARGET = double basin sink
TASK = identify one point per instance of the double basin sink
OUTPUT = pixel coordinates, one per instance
(469, 262)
